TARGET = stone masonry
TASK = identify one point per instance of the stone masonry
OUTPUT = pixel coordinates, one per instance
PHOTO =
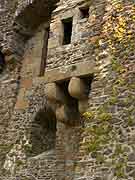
(67, 93)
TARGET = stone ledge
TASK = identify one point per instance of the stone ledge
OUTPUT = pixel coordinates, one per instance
(76, 70)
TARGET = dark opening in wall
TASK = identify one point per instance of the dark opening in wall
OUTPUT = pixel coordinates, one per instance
(84, 12)
(67, 30)
(43, 132)
(2, 62)
(72, 113)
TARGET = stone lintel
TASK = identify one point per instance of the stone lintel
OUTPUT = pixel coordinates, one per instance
(76, 70)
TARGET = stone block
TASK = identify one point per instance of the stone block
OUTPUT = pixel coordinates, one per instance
(54, 93)
(26, 83)
(77, 88)
(52, 43)
(21, 104)
(27, 60)
(82, 106)
(21, 94)
(62, 114)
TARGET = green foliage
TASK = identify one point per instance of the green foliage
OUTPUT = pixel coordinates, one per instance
(28, 148)
(131, 86)
(117, 66)
(120, 81)
(88, 115)
(100, 158)
(92, 146)
(131, 121)
(117, 33)
(105, 116)
(119, 170)
(19, 163)
(113, 100)
(118, 150)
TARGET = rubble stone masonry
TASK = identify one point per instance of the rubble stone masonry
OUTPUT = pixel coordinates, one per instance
(67, 93)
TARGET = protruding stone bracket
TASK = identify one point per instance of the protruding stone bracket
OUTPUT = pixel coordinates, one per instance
(70, 98)
(78, 88)
(68, 88)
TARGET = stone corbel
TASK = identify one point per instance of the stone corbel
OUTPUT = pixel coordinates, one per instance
(69, 102)
(68, 89)
(77, 88)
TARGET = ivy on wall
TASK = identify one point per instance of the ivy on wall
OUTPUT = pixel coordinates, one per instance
(104, 128)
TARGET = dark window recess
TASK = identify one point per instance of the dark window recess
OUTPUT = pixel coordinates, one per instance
(44, 52)
(43, 132)
(2, 61)
(84, 12)
(67, 28)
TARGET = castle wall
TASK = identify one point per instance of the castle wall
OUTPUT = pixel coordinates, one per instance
(101, 153)
(100, 144)
(78, 50)
(9, 80)
(15, 83)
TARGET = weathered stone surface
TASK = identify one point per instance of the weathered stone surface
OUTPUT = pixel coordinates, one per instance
(26, 83)
(101, 145)
(66, 115)
(83, 105)
(62, 114)
(21, 105)
(66, 72)
(54, 93)
(77, 88)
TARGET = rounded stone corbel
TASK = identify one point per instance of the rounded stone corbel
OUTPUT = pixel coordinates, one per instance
(77, 88)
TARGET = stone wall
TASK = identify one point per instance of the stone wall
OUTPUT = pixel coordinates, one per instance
(14, 83)
(16, 25)
(35, 144)
(63, 55)
(9, 84)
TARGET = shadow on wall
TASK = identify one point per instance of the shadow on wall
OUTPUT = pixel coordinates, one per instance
(2, 62)
(43, 132)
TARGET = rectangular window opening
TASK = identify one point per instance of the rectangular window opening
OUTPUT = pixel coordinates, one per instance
(84, 12)
(67, 30)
